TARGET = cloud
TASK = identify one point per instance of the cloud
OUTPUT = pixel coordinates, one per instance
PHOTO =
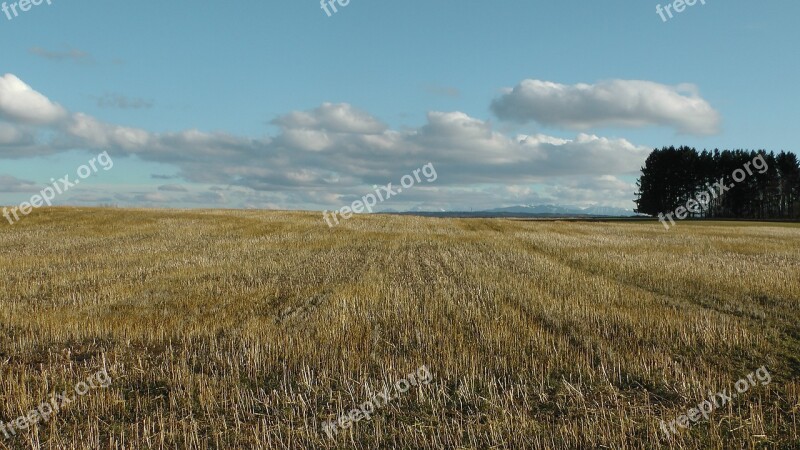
(119, 101)
(20, 103)
(14, 135)
(9, 183)
(619, 103)
(336, 118)
(88, 131)
(73, 55)
(606, 190)
(335, 152)
(587, 154)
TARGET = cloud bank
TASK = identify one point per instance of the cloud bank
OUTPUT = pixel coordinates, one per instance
(329, 155)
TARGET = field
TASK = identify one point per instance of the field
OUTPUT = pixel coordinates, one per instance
(238, 329)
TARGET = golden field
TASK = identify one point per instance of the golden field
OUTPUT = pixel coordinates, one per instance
(244, 329)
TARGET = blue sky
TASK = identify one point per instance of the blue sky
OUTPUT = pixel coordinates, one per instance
(277, 105)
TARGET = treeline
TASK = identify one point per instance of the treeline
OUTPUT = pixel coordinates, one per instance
(740, 184)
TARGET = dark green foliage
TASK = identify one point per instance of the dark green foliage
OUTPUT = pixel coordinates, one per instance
(769, 189)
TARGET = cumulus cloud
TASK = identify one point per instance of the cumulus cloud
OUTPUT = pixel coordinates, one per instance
(606, 190)
(324, 156)
(14, 135)
(571, 156)
(621, 103)
(19, 102)
(336, 118)
(88, 131)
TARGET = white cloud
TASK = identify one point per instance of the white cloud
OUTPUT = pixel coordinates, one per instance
(605, 190)
(587, 154)
(91, 132)
(342, 118)
(19, 102)
(321, 157)
(621, 103)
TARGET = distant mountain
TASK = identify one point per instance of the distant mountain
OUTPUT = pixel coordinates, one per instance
(606, 211)
(422, 208)
(551, 211)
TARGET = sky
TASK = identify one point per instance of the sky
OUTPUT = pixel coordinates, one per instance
(278, 105)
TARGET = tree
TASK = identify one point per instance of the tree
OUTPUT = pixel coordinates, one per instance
(668, 178)
(789, 184)
(758, 184)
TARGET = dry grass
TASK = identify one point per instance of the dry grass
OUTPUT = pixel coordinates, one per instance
(233, 329)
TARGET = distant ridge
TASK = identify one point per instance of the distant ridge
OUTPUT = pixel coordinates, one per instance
(548, 211)
(566, 210)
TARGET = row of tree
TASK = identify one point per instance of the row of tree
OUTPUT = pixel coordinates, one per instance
(755, 184)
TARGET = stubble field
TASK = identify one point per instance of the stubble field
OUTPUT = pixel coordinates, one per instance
(237, 329)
